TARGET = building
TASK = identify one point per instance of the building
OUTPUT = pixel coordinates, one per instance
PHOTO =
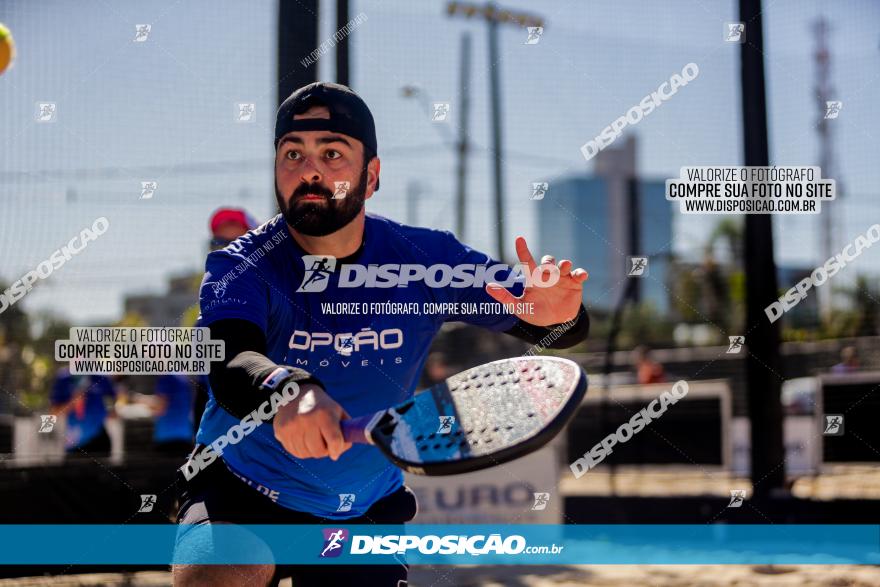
(167, 309)
(587, 219)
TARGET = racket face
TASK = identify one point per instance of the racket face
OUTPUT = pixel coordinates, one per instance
(482, 417)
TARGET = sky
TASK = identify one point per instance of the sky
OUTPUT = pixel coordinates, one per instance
(164, 110)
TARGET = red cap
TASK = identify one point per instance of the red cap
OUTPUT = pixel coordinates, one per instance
(237, 215)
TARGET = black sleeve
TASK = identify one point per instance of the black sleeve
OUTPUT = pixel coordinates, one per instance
(555, 336)
(236, 380)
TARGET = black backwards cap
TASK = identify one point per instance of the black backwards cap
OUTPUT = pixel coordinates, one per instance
(349, 114)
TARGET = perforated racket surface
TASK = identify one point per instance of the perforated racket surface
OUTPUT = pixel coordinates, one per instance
(478, 418)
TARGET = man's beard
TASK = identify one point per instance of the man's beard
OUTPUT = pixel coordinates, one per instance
(317, 218)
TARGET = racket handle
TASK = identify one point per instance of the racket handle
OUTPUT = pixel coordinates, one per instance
(354, 429)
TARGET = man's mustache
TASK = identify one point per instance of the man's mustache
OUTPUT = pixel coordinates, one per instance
(314, 189)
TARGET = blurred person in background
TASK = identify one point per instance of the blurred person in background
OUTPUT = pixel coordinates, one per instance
(227, 224)
(849, 361)
(647, 370)
(172, 407)
(83, 399)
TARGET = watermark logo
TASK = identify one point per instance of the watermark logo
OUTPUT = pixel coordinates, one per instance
(541, 501)
(823, 273)
(440, 111)
(346, 346)
(637, 266)
(833, 425)
(832, 108)
(446, 424)
(627, 430)
(346, 500)
(141, 32)
(147, 503)
(47, 423)
(148, 188)
(56, 260)
(318, 270)
(535, 33)
(245, 112)
(341, 189)
(736, 344)
(645, 106)
(238, 432)
(734, 32)
(333, 540)
(737, 498)
(539, 190)
(46, 112)
(331, 42)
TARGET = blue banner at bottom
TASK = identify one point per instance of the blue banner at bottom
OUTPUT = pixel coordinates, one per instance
(416, 544)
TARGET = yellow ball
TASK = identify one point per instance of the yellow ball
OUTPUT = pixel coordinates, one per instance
(7, 48)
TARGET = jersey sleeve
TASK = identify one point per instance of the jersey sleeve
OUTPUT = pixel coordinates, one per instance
(472, 304)
(233, 287)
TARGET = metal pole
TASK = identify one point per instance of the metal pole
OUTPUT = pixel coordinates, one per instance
(463, 147)
(495, 96)
(763, 363)
(342, 76)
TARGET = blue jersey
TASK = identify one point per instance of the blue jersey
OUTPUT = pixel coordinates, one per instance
(367, 360)
(85, 420)
(177, 421)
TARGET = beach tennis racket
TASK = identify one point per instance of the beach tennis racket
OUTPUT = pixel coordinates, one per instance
(476, 419)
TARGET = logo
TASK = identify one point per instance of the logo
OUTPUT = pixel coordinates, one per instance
(147, 503)
(441, 111)
(246, 112)
(342, 188)
(822, 273)
(541, 501)
(535, 33)
(446, 423)
(737, 497)
(346, 345)
(637, 266)
(241, 430)
(47, 423)
(333, 539)
(46, 112)
(736, 344)
(832, 109)
(627, 430)
(539, 189)
(141, 32)
(635, 114)
(833, 425)
(55, 261)
(346, 500)
(318, 269)
(734, 32)
(147, 189)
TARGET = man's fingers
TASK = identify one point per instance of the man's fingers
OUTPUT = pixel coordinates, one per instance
(314, 441)
(298, 445)
(580, 275)
(499, 293)
(524, 255)
(332, 433)
(564, 267)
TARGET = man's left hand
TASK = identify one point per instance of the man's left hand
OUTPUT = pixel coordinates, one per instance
(553, 304)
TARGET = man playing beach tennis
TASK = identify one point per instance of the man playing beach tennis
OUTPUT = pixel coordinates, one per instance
(345, 304)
